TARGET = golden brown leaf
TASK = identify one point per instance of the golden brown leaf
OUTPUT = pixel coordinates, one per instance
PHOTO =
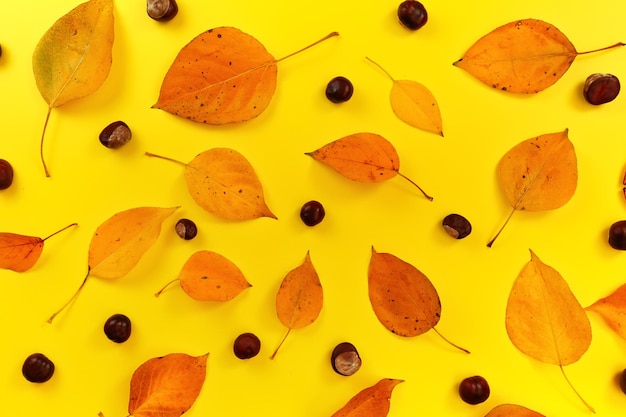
(300, 297)
(222, 76)
(402, 297)
(544, 319)
(524, 56)
(373, 401)
(362, 157)
(20, 253)
(414, 104)
(540, 173)
(224, 183)
(612, 309)
(74, 57)
(166, 386)
(512, 410)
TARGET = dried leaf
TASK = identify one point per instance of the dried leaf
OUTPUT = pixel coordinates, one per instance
(402, 297)
(20, 253)
(224, 183)
(524, 56)
(166, 386)
(512, 410)
(414, 104)
(222, 76)
(612, 309)
(208, 276)
(74, 57)
(373, 401)
(362, 157)
(540, 173)
(544, 319)
(300, 298)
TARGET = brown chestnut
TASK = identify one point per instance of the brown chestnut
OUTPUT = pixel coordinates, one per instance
(115, 135)
(601, 88)
(186, 229)
(345, 359)
(6, 174)
(162, 10)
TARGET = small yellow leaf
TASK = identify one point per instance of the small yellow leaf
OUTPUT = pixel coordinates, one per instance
(612, 309)
(512, 410)
(119, 243)
(374, 401)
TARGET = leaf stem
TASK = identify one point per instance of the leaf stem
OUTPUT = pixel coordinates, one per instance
(451, 343)
(59, 231)
(501, 228)
(71, 299)
(577, 394)
(153, 155)
(415, 184)
(380, 66)
(615, 45)
(158, 293)
(280, 344)
(43, 134)
(330, 35)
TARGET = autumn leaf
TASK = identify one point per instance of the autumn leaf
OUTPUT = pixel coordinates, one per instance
(414, 104)
(373, 401)
(404, 300)
(362, 157)
(512, 410)
(20, 253)
(612, 309)
(224, 183)
(524, 56)
(222, 76)
(544, 319)
(166, 386)
(74, 57)
(120, 242)
(299, 299)
(537, 174)
(208, 276)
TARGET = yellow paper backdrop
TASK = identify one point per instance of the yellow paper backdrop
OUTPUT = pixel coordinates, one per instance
(89, 183)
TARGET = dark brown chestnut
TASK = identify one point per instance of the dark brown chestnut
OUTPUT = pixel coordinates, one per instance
(115, 135)
(601, 88)
(345, 359)
(6, 174)
(162, 10)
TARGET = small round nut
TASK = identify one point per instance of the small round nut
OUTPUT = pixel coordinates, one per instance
(345, 359)
(6, 174)
(601, 88)
(186, 229)
(456, 226)
(622, 381)
(115, 135)
(162, 10)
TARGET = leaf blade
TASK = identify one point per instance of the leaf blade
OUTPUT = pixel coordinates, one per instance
(19, 253)
(512, 410)
(612, 309)
(374, 401)
(415, 105)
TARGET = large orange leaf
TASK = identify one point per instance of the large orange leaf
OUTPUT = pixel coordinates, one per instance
(222, 76)
(74, 57)
(544, 319)
(540, 173)
(612, 309)
(512, 410)
(166, 386)
(362, 157)
(209, 276)
(404, 300)
(524, 56)
(374, 401)
(20, 253)
(224, 183)
(300, 298)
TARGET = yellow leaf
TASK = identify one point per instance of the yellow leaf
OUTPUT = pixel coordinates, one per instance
(612, 309)
(414, 104)
(74, 57)
(544, 319)
(512, 410)
(524, 56)
(166, 386)
(540, 173)
(374, 401)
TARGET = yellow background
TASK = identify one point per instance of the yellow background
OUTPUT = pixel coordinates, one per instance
(90, 183)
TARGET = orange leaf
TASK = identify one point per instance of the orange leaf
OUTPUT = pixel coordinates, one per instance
(373, 401)
(612, 309)
(300, 297)
(166, 386)
(414, 104)
(544, 319)
(512, 410)
(402, 297)
(524, 56)
(20, 253)
(540, 173)
(224, 183)
(222, 76)
(362, 157)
